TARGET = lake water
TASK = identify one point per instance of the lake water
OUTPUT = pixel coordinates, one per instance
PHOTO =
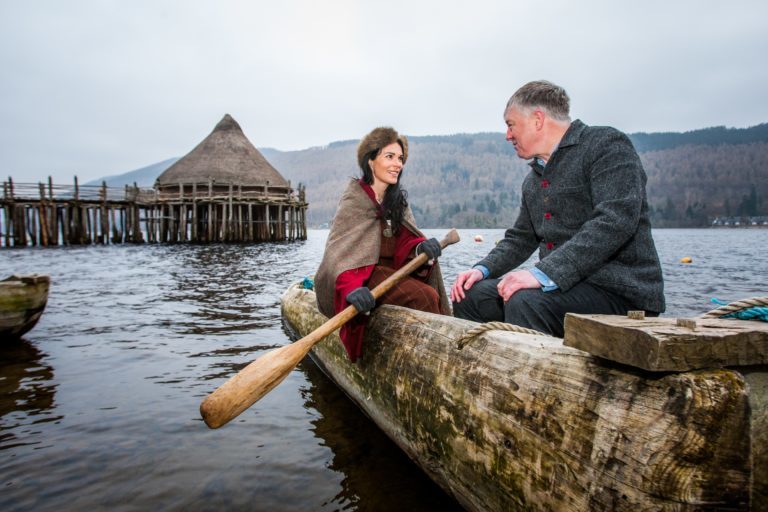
(99, 402)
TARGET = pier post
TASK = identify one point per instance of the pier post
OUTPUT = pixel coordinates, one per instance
(194, 213)
(43, 222)
(53, 235)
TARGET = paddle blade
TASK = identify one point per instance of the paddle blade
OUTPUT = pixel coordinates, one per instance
(250, 384)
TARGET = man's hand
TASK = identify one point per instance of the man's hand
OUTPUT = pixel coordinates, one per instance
(464, 281)
(512, 282)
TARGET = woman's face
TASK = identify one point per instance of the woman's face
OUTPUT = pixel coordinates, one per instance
(388, 165)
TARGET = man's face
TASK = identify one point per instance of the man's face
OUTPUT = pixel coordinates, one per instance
(522, 132)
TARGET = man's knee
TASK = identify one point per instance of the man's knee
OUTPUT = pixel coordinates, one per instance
(530, 308)
(481, 303)
(464, 309)
(523, 302)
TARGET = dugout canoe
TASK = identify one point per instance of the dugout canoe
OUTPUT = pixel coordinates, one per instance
(22, 301)
(521, 422)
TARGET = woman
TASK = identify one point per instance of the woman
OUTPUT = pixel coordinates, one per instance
(372, 235)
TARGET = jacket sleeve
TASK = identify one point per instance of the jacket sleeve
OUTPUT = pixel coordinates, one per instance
(348, 281)
(515, 248)
(352, 332)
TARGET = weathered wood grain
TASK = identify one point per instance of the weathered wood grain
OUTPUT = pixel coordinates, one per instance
(669, 344)
(519, 422)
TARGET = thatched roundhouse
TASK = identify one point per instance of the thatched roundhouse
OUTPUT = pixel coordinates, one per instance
(224, 157)
(224, 190)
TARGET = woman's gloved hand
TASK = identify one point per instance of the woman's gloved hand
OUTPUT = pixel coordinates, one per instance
(430, 247)
(362, 299)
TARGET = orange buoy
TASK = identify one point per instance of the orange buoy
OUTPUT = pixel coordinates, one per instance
(686, 259)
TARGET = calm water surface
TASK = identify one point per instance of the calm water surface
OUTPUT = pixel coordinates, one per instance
(99, 403)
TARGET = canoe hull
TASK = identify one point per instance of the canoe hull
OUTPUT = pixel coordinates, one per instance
(520, 422)
(22, 301)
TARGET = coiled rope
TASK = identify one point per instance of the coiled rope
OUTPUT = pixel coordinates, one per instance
(491, 326)
(755, 308)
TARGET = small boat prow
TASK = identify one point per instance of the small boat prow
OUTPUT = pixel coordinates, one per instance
(22, 301)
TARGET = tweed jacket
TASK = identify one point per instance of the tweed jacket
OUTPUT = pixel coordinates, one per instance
(586, 211)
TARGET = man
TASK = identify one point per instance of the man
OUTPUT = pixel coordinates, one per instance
(584, 206)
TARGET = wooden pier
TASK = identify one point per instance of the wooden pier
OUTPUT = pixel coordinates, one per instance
(40, 215)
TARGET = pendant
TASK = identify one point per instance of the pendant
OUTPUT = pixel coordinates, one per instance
(388, 230)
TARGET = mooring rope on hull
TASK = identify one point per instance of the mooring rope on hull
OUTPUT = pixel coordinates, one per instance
(493, 326)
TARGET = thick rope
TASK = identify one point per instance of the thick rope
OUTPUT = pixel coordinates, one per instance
(755, 308)
(492, 326)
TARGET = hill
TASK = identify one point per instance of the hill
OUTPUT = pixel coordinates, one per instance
(144, 177)
(473, 180)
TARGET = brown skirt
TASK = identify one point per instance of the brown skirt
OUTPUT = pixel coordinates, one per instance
(409, 293)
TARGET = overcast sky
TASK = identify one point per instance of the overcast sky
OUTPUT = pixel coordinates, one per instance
(96, 88)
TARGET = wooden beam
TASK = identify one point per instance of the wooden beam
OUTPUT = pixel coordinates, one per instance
(669, 344)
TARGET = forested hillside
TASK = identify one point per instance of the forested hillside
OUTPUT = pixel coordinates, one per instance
(473, 180)
(460, 180)
(691, 185)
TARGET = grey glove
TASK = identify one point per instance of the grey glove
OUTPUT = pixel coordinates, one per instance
(430, 247)
(362, 299)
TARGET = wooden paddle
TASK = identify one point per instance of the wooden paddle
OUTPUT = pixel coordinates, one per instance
(262, 375)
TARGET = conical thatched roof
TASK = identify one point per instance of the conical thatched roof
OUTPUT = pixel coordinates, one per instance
(226, 156)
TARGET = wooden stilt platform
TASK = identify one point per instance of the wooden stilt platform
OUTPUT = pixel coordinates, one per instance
(40, 215)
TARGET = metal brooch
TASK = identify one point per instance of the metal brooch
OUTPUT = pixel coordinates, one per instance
(388, 230)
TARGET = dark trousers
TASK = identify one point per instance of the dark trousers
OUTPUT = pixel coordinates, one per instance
(535, 309)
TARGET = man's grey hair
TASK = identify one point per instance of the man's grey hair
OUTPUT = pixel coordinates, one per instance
(545, 96)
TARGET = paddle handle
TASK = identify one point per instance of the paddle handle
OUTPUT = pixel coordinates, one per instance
(257, 379)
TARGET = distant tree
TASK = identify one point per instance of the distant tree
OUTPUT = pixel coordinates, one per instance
(748, 206)
(670, 212)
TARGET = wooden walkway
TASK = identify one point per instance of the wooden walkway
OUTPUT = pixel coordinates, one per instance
(43, 215)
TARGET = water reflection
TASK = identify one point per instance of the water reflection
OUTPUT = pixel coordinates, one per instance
(26, 393)
(377, 474)
(226, 289)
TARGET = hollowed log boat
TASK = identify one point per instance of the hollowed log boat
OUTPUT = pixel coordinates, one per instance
(22, 301)
(517, 421)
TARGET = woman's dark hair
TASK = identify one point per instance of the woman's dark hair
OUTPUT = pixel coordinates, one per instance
(395, 198)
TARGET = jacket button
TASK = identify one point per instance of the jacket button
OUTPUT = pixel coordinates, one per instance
(550, 245)
(544, 183)
(547, 215)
